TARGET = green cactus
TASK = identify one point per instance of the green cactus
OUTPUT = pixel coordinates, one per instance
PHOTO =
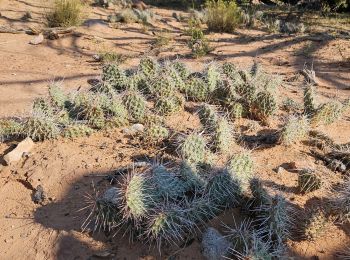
(163, 86)
(213, 77)
(139, 196)
(327, 113)
(193, 177)
(88, 107)
(264, 106)
(193, 149)
(169, 105)
(41, 106)
(236, 111)
(309, 100)
(136, 104)
(112, 74)
(117, 114)
(222, 190)
(168, 184)
(229, 69)
(223, 138)
(340, 202)
(274, 221)
(57, 96)
(197, 89)
(40, 127)
(308, 181)
(295, 130)
(149, 67)
(167, 225)
(181, 69)
(260, 195)
(241, 169)
(10, 128)
(77, 130)
(155, 133)
(208, 116)
(176, 77)
(247, 244)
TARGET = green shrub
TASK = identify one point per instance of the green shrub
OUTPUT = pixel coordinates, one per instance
(65, 13)
(198, 43)
(223, 16)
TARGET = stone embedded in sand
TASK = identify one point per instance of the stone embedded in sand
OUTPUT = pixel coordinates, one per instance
(214, 245)
(134, 129)
(16, 154)
(37, 40)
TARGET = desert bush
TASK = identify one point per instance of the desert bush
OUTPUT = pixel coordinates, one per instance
(198, 43)
(65, 13)
(294, 130)
(223, 16)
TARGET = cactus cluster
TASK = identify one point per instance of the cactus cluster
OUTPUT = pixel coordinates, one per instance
(149, 67)
(155, 133)
(77, 130)
(308, 181)
(309, 100)
(168, 105)
(40, 127)
(327, 113)
(223, 137)
(264, 105)
(208, 116)
(295, 130)
(193, 148)
(115, 76)
(58, 97)
(197, 89)
(241, 169)
(136, 104)
(10, 128)
(341, 202)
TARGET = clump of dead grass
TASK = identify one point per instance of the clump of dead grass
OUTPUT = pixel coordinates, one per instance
(223, 16)
(65, 13)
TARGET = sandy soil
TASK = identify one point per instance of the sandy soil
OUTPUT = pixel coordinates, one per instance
(68, 170)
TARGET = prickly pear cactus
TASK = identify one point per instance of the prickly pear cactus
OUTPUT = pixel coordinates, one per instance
(10, 128)
(237, 110)
(149, 67)
(40, 127)
(222, 190)
(163, 86)
(177, 78)
(136, 104)
(155, 133)
(140, 196)
(208, 116)
(77, 130)
(115, 111)
(115, 76)
(168, 184)
(57, 96)
(197, 89)
(229, 69)
(213, 77)
(241, 169)
(181, 69)
(308, 181)
(327, 113)
(193, 178)
(41, 106)
(193, 149)
(264, 106)
(223, 138)
(309, 100)
(169, 105)
(88, 107)
(295, 130)
(256, 69)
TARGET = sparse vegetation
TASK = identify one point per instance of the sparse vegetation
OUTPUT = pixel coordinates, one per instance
(65, 13)
(223, 16)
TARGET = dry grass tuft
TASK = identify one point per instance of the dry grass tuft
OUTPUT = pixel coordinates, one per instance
(65, 13)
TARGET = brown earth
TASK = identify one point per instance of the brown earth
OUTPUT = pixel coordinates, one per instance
(68, 170)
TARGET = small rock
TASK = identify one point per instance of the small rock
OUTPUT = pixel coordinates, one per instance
(280, 170)
(37, 40)
(97, 57)
(134, 129)
(16, 154)
(39, 195)
(214, 245)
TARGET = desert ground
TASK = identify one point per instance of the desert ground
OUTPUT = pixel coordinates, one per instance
(69, 170)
